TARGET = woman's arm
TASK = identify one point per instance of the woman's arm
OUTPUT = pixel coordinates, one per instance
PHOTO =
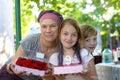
(10, 67)
(20, 53)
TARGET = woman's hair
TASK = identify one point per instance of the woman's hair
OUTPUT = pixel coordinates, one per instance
(50, 14)
(88, 30)
(76, 47)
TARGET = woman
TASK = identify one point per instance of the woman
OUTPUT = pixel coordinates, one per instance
(44, 43)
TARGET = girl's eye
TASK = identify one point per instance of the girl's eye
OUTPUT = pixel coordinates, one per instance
(65, 34)
(74, 35)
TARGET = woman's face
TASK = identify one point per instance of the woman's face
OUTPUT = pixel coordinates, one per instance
(68, 36)
(49, 30)
(90, 43)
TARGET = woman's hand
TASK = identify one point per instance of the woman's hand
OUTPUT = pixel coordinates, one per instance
(11, 69)
(11, 66)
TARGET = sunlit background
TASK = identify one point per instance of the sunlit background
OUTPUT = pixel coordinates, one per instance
(103, 14)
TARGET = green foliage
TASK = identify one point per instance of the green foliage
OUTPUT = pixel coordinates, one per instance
(75, 10)
(96, 2)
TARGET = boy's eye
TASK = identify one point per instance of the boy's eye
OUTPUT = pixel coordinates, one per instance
(87, 40)
(95, 39)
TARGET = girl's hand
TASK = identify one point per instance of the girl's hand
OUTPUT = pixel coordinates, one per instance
(60, 77)
(84, 71)
(48, 72)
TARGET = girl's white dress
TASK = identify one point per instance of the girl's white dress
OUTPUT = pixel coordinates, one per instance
(85, 56)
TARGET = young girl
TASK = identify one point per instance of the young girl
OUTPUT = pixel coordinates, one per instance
(69, 36)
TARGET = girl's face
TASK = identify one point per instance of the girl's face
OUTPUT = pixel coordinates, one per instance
(49, 30)
(90, 43)
(68, 36)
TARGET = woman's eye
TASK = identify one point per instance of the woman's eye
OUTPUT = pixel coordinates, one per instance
(43, 26)
(53, 26)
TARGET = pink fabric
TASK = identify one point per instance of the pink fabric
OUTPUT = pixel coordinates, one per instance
(50, 16)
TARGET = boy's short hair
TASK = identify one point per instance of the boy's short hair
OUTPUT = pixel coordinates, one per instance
(88, 30)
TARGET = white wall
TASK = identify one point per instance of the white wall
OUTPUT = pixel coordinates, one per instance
(6, 30)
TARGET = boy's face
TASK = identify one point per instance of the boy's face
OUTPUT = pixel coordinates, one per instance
(90, 43)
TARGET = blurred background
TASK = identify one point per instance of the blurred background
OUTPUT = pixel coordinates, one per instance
(18, 18)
